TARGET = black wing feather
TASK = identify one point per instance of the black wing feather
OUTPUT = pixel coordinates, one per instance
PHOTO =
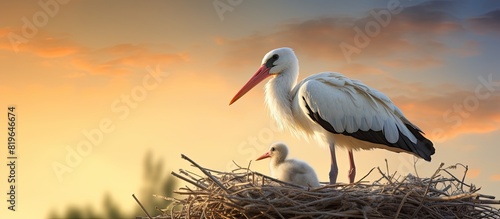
(423, 148)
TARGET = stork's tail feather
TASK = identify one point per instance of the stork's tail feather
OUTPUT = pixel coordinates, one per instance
(424, 147)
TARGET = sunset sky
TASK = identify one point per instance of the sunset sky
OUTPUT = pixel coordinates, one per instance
(157, 76)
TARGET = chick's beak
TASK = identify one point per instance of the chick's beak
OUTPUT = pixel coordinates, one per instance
(264, 156)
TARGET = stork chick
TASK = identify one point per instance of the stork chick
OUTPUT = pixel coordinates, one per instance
(289, 170)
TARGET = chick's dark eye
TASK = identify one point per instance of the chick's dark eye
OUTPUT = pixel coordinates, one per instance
(275, 57)
(272, 149)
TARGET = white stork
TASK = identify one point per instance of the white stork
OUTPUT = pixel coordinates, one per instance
(335, 110)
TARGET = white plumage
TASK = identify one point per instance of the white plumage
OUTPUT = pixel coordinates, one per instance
(350, 106)
(289, 170)
(335, 110)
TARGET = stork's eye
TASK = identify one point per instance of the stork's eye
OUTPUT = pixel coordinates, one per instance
(273, 149)
(270, 61)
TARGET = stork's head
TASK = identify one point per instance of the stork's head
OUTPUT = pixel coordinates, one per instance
(274, 63)
(277, 152)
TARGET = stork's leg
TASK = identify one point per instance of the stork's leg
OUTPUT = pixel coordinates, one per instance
(352, 169)
(334, 170)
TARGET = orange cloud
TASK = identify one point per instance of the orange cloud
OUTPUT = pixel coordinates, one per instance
(124, 58)
(413, 36)
(75, 75)
(4, 31)
(113, 60)
(473, 173)
(5, 43)
(42, 44)
(50, 47)
(452, 113)
(416, 63)
(495, 177)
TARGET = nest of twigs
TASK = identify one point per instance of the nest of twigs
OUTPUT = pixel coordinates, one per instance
(243, 193)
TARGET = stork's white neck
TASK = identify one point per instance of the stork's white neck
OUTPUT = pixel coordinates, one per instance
(278, 95)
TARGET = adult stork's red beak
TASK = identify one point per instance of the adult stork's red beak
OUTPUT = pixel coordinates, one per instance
(259, 76)
(264, 156)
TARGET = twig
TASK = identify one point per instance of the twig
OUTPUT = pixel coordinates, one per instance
(387, 167)
(237, 165)
(249, 163)
(402, 203)
(415, 160)
(188, 180)
(272, 206)
(463, 178)
(486, 196)
(143, 209)
(362, 178)
(206, 173)
(383, 175)
(427, 189)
